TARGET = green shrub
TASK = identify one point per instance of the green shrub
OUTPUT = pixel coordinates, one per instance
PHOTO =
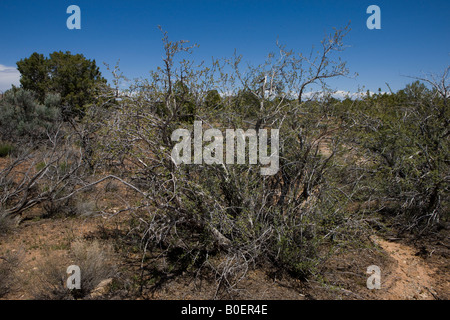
(405, 135)
(6, 149)
(23, 119)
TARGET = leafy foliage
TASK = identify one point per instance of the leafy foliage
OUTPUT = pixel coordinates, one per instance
(72, 76)
(23, 118)
(341, 163)
(407, 136)
(195, 213)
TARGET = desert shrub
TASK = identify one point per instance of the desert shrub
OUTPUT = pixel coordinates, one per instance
(224, 218)
(8, 267)
(23, 118)
(85, 207)
(54, 209)
(52, 175)
(70, 207)
(6, 223)
(6, 149)
(50, 281)
(405, 137)
(95, 262)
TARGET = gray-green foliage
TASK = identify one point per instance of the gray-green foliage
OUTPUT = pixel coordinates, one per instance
(22, 118)
(96, 262)
(405, 137)
(195, 212)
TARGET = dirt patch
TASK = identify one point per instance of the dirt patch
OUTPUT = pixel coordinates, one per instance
(410, 269)
(36, 242)
(412, 278)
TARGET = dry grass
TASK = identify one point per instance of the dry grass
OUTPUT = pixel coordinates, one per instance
(9, 264)
(96, 262)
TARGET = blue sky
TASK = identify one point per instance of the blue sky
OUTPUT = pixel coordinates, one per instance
(413, 40)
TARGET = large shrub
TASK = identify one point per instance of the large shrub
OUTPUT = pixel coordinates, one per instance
(22, 118)
(228, 218)
(406, 138)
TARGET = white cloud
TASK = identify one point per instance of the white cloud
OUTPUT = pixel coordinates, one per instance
(8, 76)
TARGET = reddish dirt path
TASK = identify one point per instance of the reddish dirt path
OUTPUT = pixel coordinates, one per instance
(411, 278)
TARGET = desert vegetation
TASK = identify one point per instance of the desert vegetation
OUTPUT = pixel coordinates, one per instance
(75, 148)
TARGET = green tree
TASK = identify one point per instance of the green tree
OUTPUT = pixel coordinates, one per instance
(185, 104)
(34, 74)
(73, 77)
(213, 99)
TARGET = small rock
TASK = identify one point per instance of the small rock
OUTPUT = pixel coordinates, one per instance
(101, 288)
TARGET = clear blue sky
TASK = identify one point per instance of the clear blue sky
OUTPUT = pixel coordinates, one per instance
(414, 38)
